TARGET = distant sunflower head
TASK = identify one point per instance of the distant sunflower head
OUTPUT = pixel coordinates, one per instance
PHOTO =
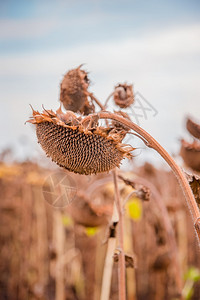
(74, 91)
(123, 95)
(82, 150)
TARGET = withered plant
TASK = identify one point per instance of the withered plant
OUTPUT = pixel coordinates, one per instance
(76, 141)
(190, 151)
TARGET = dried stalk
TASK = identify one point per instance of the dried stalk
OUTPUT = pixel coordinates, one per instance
(120, 233)
(108, 265)
(152, 143)
(96, 100)
(59, 238)
(130, 272)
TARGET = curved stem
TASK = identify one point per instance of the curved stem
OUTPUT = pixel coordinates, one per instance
(96, 100)
(152, 143)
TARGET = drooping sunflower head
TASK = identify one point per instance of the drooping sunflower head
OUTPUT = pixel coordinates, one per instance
(80, 149)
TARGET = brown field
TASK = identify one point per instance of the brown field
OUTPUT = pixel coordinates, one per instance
(50, 252)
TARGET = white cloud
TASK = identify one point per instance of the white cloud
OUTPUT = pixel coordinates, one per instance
(124, 55)
(23, 29)
(19, 29)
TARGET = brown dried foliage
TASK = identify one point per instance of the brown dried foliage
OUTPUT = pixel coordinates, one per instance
(29, 235)
(190, 153)
(193, 128)
(118, 127)
(141, 191)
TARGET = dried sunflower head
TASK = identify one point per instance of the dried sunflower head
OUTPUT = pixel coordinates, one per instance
(77, 148)
(190, 153)
(73, 91)
(123, 95)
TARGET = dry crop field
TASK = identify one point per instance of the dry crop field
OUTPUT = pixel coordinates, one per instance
(50, 252)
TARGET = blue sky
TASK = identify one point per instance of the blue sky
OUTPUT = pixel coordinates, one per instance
(36, 25)
(153, 44)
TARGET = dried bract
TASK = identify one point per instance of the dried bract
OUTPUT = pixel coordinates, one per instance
(73, 91)
(193, 128)
(118, 129)
(123, 95)
(77, 148)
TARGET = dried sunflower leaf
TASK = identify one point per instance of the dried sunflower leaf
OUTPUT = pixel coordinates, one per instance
(193, 128)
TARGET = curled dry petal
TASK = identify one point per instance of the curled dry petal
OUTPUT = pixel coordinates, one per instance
(123, 95)
(76, 148)
(119, 128)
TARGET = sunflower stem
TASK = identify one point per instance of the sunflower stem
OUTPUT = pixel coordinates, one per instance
(96, 100)
(108, 264)
(120, 234)
(152, 143)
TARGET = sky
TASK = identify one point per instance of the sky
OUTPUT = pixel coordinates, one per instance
(154, 45)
